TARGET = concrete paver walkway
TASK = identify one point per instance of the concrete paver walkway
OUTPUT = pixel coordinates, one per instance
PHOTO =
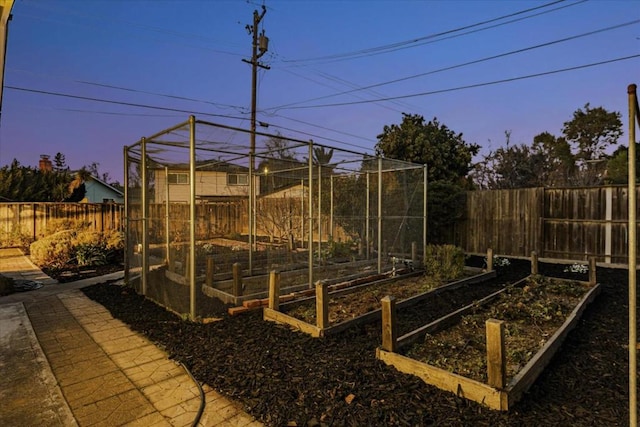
(64, 360)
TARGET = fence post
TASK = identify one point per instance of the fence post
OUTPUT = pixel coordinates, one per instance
(237, 279)
(592, 270)
(489, 259)
(322, 304)
(534, 263)
(274, 290)
(389, 324)
(496, 357)
(210, 270)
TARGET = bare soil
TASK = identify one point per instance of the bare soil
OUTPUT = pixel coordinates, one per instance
(283, 376)
(347, 306)
(532, 313)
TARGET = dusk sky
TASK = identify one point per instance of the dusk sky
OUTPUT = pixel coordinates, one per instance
(340, 70)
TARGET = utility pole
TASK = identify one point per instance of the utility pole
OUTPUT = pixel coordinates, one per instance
(261, 43)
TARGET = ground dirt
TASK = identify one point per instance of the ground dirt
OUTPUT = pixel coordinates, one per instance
(286, 377)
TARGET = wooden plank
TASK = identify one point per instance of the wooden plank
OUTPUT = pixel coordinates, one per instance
(389, 324)
(322, 305)
(527, 376)
(274, 290)
(445, 380)
(496, 354)
(276, 316)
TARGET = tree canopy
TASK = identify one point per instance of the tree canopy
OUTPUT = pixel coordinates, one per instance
(577, 158)
(20, 183)
(447, 155)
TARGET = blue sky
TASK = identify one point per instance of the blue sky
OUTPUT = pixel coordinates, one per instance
(150, 52)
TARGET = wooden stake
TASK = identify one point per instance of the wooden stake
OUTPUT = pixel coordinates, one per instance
(496, 355)
(237, 279)
(592, 270)
(489, 259)
(534, 263)
(210, 271)
(274, 290)
(322, 304)
(389, 324)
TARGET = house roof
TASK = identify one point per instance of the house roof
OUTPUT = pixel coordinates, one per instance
(104, 184)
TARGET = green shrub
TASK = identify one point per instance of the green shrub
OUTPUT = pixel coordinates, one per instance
(63, 224)
(88, 254)
(444, 262)
(16, 239)
(54, 251)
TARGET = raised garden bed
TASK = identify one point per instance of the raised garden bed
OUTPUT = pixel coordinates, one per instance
(525, 325)
(331, 312)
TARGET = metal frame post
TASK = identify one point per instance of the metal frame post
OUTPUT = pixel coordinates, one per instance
(251, 212)
(192, 217)
(424, 214)
(331, 230)
(367, 207)
(319, 211)
(145, 214)
(379, 215)
(310, 221)
(126, 260)
(633, 398)
(167, 228)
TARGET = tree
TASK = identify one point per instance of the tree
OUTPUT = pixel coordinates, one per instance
(618, 166)
(591, 131)
(60, 163)
(560, 163)
(322, 156)
(511, 166)
(446, 154)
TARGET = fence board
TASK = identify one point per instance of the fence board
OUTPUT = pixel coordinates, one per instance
(565, 223)
(34, 218)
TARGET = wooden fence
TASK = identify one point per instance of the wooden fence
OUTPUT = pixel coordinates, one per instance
(563, 223)
(34, 218)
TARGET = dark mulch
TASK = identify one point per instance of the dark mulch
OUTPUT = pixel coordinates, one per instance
(281, 375)
(73, 273)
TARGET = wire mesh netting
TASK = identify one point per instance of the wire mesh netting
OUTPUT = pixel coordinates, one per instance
(207, 221)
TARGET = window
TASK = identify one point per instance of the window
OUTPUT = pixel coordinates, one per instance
(178, 178)
(237, 179)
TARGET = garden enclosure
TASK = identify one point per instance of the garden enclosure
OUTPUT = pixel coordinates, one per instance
(206, 213)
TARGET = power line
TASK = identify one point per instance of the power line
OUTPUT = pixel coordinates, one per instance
(128, 104)
(399, 45)
(529, 76)
(155, 107)
(464, 64)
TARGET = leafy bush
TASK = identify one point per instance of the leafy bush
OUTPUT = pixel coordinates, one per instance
(63, 224)
(84, 248)
(444, 262)
(54, 251)
(16, 239)
(91, 254)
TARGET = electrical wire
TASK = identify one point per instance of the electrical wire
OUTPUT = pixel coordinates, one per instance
(471, 86)
(400, 45)
(465, 64)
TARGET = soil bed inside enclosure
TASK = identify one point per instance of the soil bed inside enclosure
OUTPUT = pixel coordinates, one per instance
(346, 306)
(532, 312)
(283, 376)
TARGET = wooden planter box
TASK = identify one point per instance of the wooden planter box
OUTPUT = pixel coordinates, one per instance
(496, 395)
(322, 327)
